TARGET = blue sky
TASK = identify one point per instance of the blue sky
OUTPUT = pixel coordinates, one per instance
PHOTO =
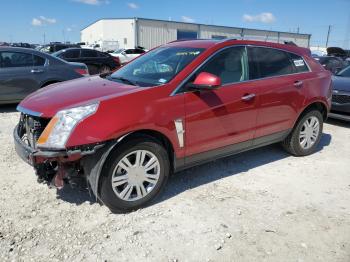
(29, 20)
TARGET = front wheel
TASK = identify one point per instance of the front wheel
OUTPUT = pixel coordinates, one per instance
(134, 174)
(306, 135)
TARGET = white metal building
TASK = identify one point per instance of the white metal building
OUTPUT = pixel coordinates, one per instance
(149, 33)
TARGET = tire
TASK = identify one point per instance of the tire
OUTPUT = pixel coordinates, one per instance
(141, 193)
(295, 142)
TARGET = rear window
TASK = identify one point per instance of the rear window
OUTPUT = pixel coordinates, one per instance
(269, 62)
(88, 53)
(71, 53)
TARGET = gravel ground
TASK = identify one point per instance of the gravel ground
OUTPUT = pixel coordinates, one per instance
(262, 205)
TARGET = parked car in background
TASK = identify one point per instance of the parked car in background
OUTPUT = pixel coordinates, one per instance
(24, 45)
(126, 55)
(54, 47)
(179, 105)
(23, 71)
(332, 63)
(96, 61)
(104, 46)
(341, 95)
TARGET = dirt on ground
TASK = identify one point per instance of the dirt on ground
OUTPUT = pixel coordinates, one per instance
(262, 205)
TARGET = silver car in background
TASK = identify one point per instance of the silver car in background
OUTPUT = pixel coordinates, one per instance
(23, 71)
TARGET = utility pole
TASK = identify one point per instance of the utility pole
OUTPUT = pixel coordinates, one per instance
(329, 32)
(44, 36)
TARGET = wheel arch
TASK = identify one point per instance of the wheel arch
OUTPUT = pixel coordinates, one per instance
(318, 105)
(94, 164)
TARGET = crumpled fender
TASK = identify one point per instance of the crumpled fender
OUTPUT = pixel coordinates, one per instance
(93, 165)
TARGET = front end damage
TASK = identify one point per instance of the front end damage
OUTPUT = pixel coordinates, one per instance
(74, 166)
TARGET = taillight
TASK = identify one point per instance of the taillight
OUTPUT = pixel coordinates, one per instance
(117, 60)
(82, 71)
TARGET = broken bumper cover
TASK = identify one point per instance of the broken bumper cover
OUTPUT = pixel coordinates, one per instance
(36, 156)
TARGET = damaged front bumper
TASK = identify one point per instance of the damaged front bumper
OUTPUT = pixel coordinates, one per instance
(55, 167)
(36, 156)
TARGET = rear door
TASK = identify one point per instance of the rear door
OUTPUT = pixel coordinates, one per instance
(18, 77)
(280, 86)
(225, 116)
(91, 59)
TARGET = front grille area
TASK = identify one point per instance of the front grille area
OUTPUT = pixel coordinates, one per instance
(31, 128)
(341, 99)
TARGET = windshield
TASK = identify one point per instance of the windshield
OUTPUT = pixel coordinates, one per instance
(158, 66)
(345, 72)
(118, 51)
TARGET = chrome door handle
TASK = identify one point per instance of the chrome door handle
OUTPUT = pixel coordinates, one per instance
(36, 71)
(248, 97)
(298, 84)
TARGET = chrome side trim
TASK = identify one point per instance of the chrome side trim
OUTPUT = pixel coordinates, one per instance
(180, 131)
(27, 111)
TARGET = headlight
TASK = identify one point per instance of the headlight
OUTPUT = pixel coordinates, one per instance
(58, 130)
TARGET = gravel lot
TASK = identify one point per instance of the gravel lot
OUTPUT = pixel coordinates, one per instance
(262, 205)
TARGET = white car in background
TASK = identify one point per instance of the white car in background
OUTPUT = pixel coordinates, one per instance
(126, 55)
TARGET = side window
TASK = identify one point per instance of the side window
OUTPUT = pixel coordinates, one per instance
(72, 53)
(129, 51)
(88, 53)
(15, 59)
(38, 60)
(139, 51)
(268, 62)
(230, 65)
(299, 63)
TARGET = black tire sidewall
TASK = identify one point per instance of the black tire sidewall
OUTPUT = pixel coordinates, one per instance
(109, 198)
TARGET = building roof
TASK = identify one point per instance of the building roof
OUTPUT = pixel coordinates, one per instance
(221, 26)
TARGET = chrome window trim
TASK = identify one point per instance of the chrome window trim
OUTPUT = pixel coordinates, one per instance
(175, 91)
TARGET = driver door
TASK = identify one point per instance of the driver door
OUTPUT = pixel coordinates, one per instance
(222, 120)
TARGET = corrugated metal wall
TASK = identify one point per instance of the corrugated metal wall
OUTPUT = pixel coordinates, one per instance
(152, 33)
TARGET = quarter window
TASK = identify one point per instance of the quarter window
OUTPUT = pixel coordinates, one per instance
(299, 63)
(39, 61)
(268, 62)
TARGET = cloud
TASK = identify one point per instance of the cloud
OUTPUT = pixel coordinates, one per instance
(133, 6)
(36, 22)
(187, 19)
(92, 2)
(262, 18)
(48, 20)
(69, 29)
(42, 20)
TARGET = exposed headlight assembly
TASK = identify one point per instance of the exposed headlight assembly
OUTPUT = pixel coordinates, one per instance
(58, 130)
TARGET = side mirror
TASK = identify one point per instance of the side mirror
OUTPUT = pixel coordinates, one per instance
(206, 81)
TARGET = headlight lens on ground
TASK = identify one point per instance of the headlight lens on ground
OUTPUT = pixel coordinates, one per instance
(62, 124)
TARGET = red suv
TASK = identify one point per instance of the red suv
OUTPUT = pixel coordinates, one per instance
(179, 105)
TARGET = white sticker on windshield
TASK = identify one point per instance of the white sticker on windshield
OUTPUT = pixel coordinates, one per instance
(162, 80)
(299, 62)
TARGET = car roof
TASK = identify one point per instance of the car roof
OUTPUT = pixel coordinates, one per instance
(208, 43)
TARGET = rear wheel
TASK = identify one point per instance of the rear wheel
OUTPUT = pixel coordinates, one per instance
(134, 174)
(306, 135)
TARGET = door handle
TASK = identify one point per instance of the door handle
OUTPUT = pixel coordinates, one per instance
(298, 84)
(34, 71)
(248, 97)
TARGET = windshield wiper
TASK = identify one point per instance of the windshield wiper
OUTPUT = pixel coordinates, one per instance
(125, 80)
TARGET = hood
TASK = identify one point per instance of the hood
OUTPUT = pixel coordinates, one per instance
(341, 83)
(51, 99)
